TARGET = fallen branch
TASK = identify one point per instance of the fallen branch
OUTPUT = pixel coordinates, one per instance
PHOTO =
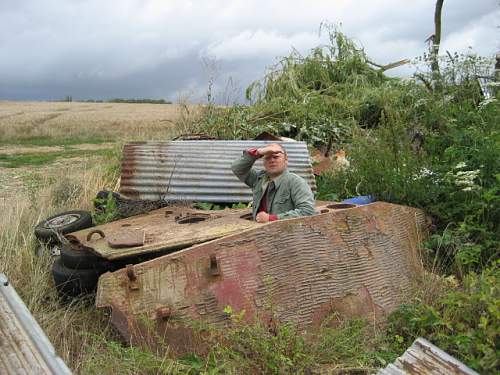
(395, 64)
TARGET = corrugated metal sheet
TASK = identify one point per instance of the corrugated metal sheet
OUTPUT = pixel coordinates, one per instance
(24, 348)
(197, 170)
(423, 358)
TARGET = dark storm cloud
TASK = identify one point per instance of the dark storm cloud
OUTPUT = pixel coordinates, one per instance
(131, 48)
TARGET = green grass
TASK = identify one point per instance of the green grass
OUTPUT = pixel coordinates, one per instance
(50, 141)
(21, 160)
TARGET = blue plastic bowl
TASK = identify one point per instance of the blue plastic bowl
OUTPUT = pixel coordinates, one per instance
(362, 199)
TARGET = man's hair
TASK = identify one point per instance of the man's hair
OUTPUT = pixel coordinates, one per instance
(282, 148)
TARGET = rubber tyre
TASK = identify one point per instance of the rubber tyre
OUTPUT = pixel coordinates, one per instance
(74, 283)
(84, 259)
(65, 222)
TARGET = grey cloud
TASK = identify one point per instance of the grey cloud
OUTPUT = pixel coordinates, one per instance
(132, 48)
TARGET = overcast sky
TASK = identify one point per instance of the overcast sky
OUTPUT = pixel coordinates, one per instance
(166, 48)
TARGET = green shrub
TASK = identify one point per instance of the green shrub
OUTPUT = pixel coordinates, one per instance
(284, 348)
(464, 321)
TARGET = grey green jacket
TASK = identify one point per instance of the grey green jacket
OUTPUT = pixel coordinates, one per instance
(288, 195)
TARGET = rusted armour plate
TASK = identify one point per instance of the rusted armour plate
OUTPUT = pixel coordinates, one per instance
(353, 262)
(169, 228)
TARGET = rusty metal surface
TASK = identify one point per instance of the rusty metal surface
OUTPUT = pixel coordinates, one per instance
(126, 238)
(24, 348)
(357, 262)
(197, 170)
(169, 228)
(423, 358)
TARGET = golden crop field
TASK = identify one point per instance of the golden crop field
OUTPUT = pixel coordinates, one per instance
(65, 120)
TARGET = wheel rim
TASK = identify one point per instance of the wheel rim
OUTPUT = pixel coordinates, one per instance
(61, 221)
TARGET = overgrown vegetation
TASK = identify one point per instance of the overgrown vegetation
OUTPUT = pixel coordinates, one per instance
(461, 318)
(284, 349)
(434, 145)
(407, 143)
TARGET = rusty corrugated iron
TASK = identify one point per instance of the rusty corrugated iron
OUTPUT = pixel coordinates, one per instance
(24, 348)
(197, 170)
(424, 358)
(356, 262)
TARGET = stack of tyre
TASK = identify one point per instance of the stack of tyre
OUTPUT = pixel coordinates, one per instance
(75, 271)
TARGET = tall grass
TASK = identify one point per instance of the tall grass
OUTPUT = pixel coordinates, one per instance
(28, 269)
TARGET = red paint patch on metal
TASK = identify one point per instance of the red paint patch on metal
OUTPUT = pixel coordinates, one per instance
(239, 280)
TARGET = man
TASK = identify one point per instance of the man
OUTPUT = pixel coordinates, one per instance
(277, 193)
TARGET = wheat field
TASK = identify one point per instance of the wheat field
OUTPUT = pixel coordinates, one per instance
(111, 121)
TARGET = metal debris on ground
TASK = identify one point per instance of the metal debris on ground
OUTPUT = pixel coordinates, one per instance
(24, 347)
(170, 228)
(123, 207)
(424, 358)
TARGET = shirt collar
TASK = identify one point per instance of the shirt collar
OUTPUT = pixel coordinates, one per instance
(278, 180)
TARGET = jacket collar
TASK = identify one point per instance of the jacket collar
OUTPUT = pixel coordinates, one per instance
(278, 180)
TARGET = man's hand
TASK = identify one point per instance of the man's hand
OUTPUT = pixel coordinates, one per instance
(268, 150)
(262, 217)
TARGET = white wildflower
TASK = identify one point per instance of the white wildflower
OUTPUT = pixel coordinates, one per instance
(460, 165)
(485, 102)
(465, 179)
(426, 173)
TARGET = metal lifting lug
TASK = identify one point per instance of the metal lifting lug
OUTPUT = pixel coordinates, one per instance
(133, 284)
(163, 313)
(95, 231)
(214, 266)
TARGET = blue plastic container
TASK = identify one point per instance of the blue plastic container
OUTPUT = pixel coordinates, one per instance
(362, 199)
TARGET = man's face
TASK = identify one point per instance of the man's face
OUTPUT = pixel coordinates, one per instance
(275, 163)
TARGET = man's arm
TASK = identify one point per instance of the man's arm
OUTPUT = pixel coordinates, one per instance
(242, 167)
(303, 199)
